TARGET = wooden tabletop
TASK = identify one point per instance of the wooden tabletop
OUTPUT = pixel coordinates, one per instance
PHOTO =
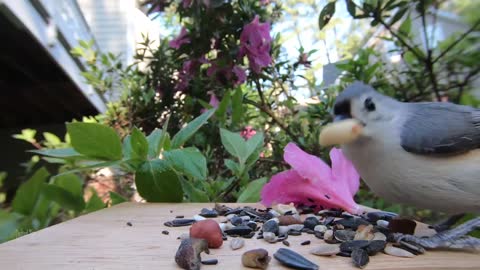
(102, 240)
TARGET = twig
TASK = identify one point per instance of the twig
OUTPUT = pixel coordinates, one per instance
(266, 109)
(477, 23)
(400, 39)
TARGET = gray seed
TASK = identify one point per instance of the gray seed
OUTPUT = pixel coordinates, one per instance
(382, 223)
(328, 235)
(295, 227)
(237, 243)
(398, 252)
(269, 237)
(198, 218)
(282, 230)
(325, 250)
(320, 228)
(379, 236)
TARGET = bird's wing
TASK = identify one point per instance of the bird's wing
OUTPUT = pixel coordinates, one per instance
(440, 128)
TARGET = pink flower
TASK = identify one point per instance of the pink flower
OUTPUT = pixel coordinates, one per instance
(186, 75)
(186, 3)
(241, 75)
(255, 42)
(214, 102)
(180, 40)
(264, 2)
(248, 132)
(311, 182)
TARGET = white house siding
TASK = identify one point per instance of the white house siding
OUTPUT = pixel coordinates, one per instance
(109, 21)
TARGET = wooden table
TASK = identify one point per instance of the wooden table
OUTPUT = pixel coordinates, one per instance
(102, 240)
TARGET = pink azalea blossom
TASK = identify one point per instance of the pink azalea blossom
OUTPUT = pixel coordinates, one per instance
(183, 38)
(186, 75)
(186, 3)
(264, 2)
(241, 75)
(311, 182)
(248, 132)
(255, 42)
(226, 73)
(214, 102)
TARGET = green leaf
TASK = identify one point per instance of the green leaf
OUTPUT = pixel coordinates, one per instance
(237, 108)
(233, 166)
(221, 111)
(3, 176)
(194, 194)
(95, 140)
(27, 135)
(63, 197)
(65, 153)
(252, 192)
(94, 165)
(27, 194)
(95, 203)
(398, 15)
(185, 133)
(406, 26)
(326, 14)
(351, 8)
(254, 143)
(52, 138)
(165, 142)
(157, 182)
(139, 145)
(116, 198)
(9, 223)
(154, 140)
(70, 182)
(127, 147)
(235, 145)
(188, 161)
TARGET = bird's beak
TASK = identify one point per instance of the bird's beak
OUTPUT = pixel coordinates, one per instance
(341, 131)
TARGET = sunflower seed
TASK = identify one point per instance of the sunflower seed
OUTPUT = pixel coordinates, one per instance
(325, 250)
(237, 243)
(398, 252)
(360, 257)
(294, 260)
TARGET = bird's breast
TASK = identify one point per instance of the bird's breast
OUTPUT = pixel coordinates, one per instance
(448, 184)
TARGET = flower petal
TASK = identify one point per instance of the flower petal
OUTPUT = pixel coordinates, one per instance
(289, 187)
(344, 171)
(308, 166)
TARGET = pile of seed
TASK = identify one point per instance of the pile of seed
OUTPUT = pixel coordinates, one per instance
(356, 236)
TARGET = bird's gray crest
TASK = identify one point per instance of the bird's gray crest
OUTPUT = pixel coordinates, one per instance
(354, 90)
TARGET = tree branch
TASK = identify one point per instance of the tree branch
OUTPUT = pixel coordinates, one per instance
(477, 23)
(264, 107)
(399, 38)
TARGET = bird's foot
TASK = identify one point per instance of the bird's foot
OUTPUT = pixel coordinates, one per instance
(455, 238)
(447, 224)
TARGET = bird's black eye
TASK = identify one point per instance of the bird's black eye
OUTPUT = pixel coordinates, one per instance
(369, 105)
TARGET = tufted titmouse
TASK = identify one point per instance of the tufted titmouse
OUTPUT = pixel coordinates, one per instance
(422, 154)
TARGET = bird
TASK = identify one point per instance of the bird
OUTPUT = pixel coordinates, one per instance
(423, 154)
